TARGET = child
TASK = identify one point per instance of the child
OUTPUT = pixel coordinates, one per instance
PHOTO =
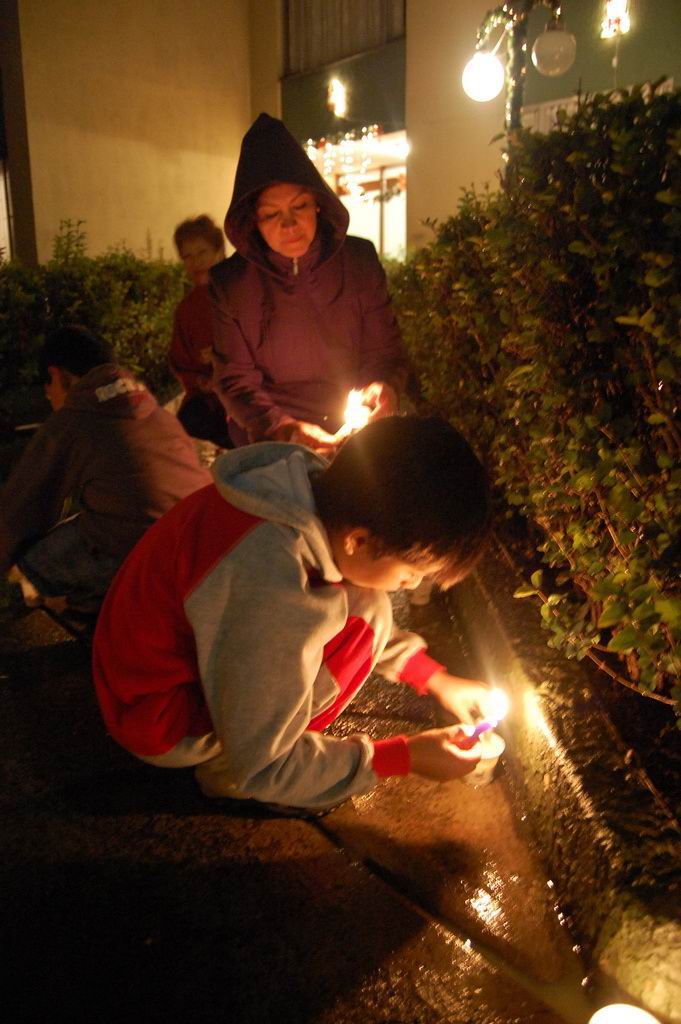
(111, 448)
(247, 618)
(200, 244)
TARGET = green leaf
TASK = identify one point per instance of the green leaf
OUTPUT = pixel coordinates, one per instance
(666, 370)
(625, 641)
(669, 197)
(612, 614)
(645, 614)
(524, 591)
(669, 608)
(655, 278)
(536, 578)
(518, 375)
(603, 588)
(580, 248)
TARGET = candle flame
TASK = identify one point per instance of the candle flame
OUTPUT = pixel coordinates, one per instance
(499, 704)
(356, 412)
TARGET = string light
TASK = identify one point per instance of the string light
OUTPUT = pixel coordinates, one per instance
(349, 156)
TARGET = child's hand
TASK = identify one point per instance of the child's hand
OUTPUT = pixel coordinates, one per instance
(467, 699)
(434, 755)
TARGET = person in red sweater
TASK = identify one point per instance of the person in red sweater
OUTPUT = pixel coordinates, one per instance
(200, 245)
(250, 616)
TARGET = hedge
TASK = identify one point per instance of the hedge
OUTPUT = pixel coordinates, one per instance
(127, 299)
(545, 322)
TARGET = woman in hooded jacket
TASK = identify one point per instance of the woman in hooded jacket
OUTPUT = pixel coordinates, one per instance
(301, 309)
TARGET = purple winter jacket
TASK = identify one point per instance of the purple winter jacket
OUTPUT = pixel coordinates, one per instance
(291, 345)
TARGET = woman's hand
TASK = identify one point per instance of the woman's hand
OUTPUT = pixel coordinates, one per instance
(314, 437)
(380, 398)
(434, 755)
(307, 434)
(467, 699)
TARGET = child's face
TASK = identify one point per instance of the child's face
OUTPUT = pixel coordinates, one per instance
(198, 257)
(56, 388)
(355, 556)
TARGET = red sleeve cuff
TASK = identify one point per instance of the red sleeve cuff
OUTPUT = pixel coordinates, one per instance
(391, 757)
(418, 670)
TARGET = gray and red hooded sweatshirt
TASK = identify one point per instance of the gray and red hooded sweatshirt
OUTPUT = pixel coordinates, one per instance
(293, 336)
(123, 458)
(229, 639)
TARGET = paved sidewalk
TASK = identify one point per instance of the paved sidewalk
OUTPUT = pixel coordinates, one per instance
(126, 896)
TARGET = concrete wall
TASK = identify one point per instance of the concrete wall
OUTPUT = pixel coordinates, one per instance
(135, 112)
(267, 56)
(449, 133)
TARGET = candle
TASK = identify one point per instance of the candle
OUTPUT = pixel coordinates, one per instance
(498, 707)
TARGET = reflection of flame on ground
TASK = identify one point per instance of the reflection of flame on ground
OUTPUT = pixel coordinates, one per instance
(485, 906)
(484, 903)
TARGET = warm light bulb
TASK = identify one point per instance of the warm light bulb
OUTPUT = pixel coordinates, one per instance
(356, 413)
(483, 77)
(616, 20)
(554, 51)
(622, 1013)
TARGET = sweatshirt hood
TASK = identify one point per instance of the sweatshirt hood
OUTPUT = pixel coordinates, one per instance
(272, 481)
(270, 154)
(110, 390)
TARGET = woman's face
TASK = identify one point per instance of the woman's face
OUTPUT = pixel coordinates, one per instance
(286, 216)
(198, 257)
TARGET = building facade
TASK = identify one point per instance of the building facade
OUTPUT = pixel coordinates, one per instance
(128, 116)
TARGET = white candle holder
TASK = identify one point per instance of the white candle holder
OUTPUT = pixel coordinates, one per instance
(490, 747)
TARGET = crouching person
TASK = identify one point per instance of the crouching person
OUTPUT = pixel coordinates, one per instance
(109, 447)
(250, 615)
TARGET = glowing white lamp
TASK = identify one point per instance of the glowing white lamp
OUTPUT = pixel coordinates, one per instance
(483, 77)
(622, 1013)
(616, 19)
(554, 50)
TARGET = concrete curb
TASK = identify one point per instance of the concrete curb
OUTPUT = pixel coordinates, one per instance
(611, 844)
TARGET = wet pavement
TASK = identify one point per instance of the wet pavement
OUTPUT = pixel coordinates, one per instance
(126, 896)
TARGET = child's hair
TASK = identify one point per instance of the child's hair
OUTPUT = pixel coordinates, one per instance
(199, 227)
(76, 349)
(417, 486)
